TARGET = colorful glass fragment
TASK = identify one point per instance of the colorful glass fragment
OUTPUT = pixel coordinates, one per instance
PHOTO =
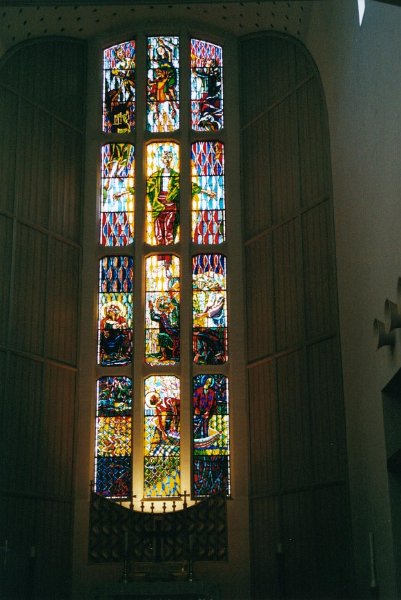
(206, 86)
(208, 204)
(163, 84)
(209, 309)
(115, 311)
(113, 437)
(162, 437)
(118, 195)
(119, 88)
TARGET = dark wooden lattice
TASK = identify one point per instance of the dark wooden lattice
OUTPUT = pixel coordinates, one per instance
(199, 532)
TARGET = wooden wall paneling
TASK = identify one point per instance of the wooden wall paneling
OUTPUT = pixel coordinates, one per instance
(66, 167)
(36, 81)
(8, 119)
(299, 545)
(57, 431)
(319, 272)
(305, 67)
(332, 539)
(6, 233)
(288, 285)
(256, 178)
(62, 300)
(264, 429)
(260, 299)
(28, 294)
(284, 160)
(53, 561)
(22, 415)
(265, 538)
(313, 144)
(327, 411)
(69, 76)
(34, 158)
(294, 414)
(275, 74)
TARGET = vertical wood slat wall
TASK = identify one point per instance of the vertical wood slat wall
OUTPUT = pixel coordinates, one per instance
(42, 86)
(298, 489)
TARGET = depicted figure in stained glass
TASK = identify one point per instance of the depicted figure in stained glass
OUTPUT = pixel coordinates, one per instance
(206, 86)
(167, 411)
(162, 96)
(166, 314)
(114, 338)
(205, 405)
(119, 88)
(162, 436)
(163, 193)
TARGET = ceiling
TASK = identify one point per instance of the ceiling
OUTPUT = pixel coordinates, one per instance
(23, 20)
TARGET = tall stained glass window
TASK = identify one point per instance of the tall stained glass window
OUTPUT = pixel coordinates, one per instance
(119, 88)
(163, 108)
(180, 205)
(208, 205)
(117, 195)
(162, 437)
(115, 318)
(206, 86)
(209, 309)
(211, 468)
(113, 437)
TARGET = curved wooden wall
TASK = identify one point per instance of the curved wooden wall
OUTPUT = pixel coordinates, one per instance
(300, 532)
(42, 91)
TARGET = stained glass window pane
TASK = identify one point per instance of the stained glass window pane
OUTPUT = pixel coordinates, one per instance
(162, 437)
(115, 310)
(208, 205)
(206, 86)
(209, 309)
(119, 88)
(163, 84)
(162, 316)
(162, 193)
(113, 437)
(211, 435)
(117, 199)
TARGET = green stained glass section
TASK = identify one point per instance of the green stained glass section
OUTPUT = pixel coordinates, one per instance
(162, 316)
(211, 435)
(209, 309)
(162, 84)
(206, 86)
(119, 88)
(113, 437)
(162, 437)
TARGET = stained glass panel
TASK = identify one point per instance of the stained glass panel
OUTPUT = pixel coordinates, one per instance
(208, 205)
(206, 86)
(162, 316)
(162, 193)
(118, 191)
(113, 437)
(209, 309)
(119, 88)
(211, 435)
(162, 437)
(163, 84)
(115, 310)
